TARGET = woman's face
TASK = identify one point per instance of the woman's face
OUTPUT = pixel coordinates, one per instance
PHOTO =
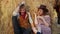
(40, 12)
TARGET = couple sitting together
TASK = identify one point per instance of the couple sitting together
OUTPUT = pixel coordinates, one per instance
(23, 23)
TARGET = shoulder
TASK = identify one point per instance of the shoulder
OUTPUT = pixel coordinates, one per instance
(15, 13)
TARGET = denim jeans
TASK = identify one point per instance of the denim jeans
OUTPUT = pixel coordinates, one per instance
(26, 31)
(17, 29)
(39, 33)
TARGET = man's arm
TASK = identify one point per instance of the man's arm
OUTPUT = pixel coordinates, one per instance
(32, 24)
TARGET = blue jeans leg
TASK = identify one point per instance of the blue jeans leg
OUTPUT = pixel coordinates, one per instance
(39, 33)
(27, 31)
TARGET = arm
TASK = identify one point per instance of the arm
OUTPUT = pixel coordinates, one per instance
(43, 20)
(32, 25)
(37, 23)
(46, 24)
(47, 21)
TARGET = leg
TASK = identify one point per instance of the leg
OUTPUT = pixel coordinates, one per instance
(27, 31)
(39, 33)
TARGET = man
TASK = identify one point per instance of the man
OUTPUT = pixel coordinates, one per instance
(22, 21)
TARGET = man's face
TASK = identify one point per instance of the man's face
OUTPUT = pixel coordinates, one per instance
(22, 10)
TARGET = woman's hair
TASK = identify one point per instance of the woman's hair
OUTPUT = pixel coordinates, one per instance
(45, 10)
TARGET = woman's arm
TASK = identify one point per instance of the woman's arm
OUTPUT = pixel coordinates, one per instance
(45, 23)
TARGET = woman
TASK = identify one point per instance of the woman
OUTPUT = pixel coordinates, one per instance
(42, 20)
